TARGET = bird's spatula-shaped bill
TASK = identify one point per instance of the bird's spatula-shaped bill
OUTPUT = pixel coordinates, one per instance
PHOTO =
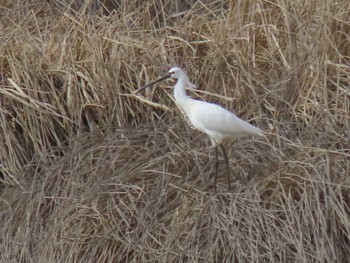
(152, 83)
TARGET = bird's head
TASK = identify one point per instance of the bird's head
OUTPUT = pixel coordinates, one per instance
(177, 73)
(174, 73)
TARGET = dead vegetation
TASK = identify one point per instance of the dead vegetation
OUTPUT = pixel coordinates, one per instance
(92, 173)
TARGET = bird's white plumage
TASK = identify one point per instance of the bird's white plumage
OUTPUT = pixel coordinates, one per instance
(219, 124)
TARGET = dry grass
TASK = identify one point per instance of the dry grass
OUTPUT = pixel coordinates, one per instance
(92, 173)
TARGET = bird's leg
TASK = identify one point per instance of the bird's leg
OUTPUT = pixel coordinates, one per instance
(216, 167)
(227, 166)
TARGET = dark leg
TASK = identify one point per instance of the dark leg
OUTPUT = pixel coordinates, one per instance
(227, 166)
(216, 167)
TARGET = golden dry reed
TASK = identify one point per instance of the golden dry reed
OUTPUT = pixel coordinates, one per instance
(91, 172)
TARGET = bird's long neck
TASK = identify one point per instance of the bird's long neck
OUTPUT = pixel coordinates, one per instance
(179, 91)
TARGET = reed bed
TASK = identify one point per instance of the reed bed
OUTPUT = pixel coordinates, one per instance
(90, 172)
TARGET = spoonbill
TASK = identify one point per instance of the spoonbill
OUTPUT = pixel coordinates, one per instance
(215, 121)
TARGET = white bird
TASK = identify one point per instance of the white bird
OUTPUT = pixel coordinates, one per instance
(218, 123)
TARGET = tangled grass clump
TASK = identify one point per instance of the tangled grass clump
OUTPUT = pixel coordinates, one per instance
(91, 172)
